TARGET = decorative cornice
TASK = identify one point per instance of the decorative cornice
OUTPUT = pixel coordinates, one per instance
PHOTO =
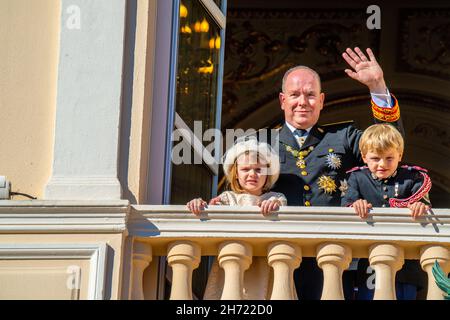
(264, 43)
(424, 39)
(63, 216)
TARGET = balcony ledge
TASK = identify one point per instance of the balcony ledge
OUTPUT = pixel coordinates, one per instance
(305, 225)
(44, 216)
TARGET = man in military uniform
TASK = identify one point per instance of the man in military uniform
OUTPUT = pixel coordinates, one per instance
(314, 159)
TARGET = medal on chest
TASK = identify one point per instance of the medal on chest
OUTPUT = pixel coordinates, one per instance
(299, 155)
(327, 184)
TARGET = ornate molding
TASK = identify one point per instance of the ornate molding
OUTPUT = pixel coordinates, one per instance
(263, 44)
(63, 216)
(95, 253)
(439, 179)
(432, 132)
(425, 41)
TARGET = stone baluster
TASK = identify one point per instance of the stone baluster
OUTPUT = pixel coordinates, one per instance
(386, 259)
(284, 258)
(333, 258)
(142, 256)
(428, 255)
(234, 257)
(183, 257)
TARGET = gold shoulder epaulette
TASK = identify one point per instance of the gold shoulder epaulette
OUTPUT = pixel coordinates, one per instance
(336, 123)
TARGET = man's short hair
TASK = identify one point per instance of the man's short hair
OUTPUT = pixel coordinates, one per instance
(287, 73)
(379, 138)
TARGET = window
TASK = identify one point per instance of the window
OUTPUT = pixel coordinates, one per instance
(197, 93)
(195, 98)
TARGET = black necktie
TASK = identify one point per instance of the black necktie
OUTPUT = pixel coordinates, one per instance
(300, 136)
(300, 132)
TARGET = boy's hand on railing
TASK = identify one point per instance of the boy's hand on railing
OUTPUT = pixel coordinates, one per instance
(196, 205)
(268, 206)
(362, 208)
(418, 209)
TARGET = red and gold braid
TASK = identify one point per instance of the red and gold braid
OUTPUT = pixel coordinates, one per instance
(423, 190)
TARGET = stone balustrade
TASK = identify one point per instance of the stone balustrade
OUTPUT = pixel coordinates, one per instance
(235, 236)
(284, 258)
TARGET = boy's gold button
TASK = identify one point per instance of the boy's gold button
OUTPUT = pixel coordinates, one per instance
(330, 150)
(306, 187)
(307, 203)
(304, 173)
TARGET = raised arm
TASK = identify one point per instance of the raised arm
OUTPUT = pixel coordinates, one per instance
(365, 70)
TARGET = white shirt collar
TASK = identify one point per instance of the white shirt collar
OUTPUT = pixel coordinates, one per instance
(292, 128)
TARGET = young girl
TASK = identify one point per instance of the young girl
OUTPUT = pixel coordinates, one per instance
(251, 168)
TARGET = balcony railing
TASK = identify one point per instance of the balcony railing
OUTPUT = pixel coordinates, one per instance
(237, 235)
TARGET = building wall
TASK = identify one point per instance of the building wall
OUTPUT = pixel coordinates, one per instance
(35, 276)
(29, 39)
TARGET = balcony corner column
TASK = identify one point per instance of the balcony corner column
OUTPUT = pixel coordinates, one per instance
(142, 256)
(89, 102)
(284, 258)
(428, 255)
(234, 257)
(386, 259)
(183, 257)
(333, 258)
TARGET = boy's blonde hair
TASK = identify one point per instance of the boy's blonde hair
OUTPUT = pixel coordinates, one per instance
(379, 138)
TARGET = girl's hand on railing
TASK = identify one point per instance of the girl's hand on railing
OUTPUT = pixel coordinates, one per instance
(418, 209)
(215, 201)
(362, 208)
(268, 206)
(196, 205)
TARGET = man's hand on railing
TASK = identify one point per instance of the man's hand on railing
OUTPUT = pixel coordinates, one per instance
(418, 209)
(196, 205)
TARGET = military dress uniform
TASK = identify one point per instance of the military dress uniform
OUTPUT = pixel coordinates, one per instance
(313, 173)
(407, 185)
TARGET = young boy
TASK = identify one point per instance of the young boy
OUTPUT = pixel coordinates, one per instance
(382, 183)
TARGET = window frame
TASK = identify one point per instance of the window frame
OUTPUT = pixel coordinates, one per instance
(174, 121)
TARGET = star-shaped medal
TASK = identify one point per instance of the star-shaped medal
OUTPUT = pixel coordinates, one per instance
(333, 161)
(327, 184)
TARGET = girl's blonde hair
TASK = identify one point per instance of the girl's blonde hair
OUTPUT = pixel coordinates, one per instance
(379, 138)
(232, 177)
(264, 155)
